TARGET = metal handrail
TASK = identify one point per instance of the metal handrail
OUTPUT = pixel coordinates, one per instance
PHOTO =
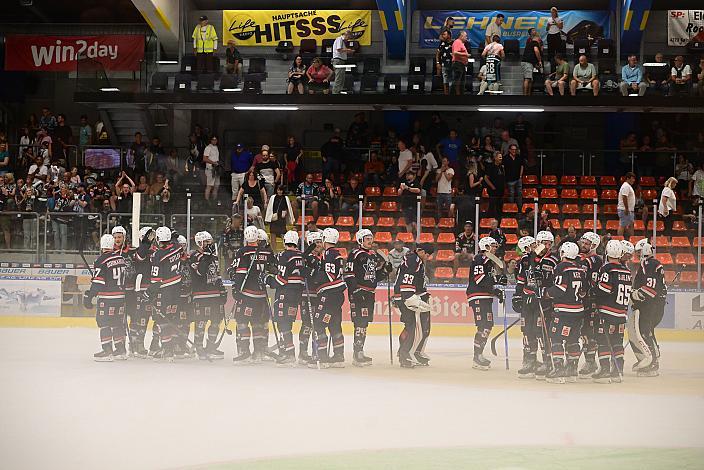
(19, 214)
(79, 215)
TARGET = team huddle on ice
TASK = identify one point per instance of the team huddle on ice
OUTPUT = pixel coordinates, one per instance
(572, 302)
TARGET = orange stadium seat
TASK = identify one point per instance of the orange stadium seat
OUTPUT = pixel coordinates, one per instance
(462, 273)
(367, 221)
(609, 209)
(659, 226)
(681, 242)
(679, 226)
(389, 206)
(548, 180)
(568, 180)
(443, 272)
(369, 206)
(664, 258)
(372, 191)
(446, 222)
(689, 278)
(587, 181)
(648, 195)
(427, 222)
(638, 225)
(572, 223)
(401, 222)
(325, 221)
(309, 218)
(570, 209)
(530, 193)
(446, 237)
(509, 223)
(386, 222)
(427, 237)
(511, 239)
(607, 181)
(569, 193)
(485, 223)
(530, 179)
(588, 193)
(445, 256)
(612, 225)
(510, 208)
(647, 181)
(553, 209)
(663, 241)
(405, 237)
(687, 259)
(345, 237)
(548, 193)
(511, 255)
(555, 224)
(588, 209)
(382, 237)
(345, 221)
(390, 191)
(589, 224)
(343, 252)
(609, 194)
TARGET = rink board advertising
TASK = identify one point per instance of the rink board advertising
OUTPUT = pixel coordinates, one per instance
(32, 53)
(30, 296)
(578, 23)
(268, 27)
(685, 26)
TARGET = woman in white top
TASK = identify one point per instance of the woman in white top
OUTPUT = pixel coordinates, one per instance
(211, 158)
(554, 27)
(668, 204)
(697, 182)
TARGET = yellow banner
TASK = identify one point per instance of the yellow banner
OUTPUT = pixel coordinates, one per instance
(268, 27)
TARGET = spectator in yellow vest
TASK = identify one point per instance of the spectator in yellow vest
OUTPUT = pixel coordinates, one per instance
(205, 41)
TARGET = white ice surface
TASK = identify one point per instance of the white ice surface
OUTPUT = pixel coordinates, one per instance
(59, 409)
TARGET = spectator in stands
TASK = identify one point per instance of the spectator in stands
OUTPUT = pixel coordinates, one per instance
(436, 131)
(495, 180)
(531, 60)
(443, 178)
(7, 203)
(329, 197)
(350, 197)
(494, 29)
(254, 214)
(137, 149)
(63, 203)
(101, 133)
(357, 141)
(506, 142)
(668, 204)
(450, 147)
(47, 121)
(339, 57)
(309, 192)
(460, 59)
(584, 77)
(253, 189)
(270, 172)
(488, 149)
(142, 185)
(233, 60)
(396, 256)
(405, 158)
(211, 157)
(699, 79)
(408, 191)
(494, 48)
(4, 158)
(278, 215)
(684, 171)
(205, 43)
(61, 138)
(85, 132)
(240, 163)
(39, 169)
(473, 188)
(156, 148)
(497, 233)
(258, 158)
(657, 77)
(443, 60)
(319, 76)
(554, 27)
(681, 74)
(560, 77)
(464, 245)
(697, 183)
(626, 206)
(333, 153)
(373, 169)
(514, 166)
(296, 76)
(632, 78)
(293, 156)
(490, 72)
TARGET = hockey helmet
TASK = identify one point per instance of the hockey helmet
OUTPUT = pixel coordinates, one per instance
(486, 242)
(291, 238)
(262, 236)
(645, 248)
(362, 234)
(143, 231)
(107, 242)
(614, 249)
(545, 236)
(118, 229)
(331, 235)
(569, 250)
(201, 237)
(593, 238)
(251, 234)
(312, 237)
(163, 234)
(182, 241)
(627, 247)
(524, 243)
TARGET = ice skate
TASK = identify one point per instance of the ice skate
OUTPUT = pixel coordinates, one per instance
(406, 363)
(243, 358)
(286, 360)
(602, 377)
(571, 376)
(304, 359)
(139, 351)
(589, 369)
(556, 375)
(214, 352)
(642, 364)
(337, 361)
(651, 371)
(542, 370)
(120, 353)
(528, 369)
(421, 360)
(103, 356)
(360, 360)
(481, 363)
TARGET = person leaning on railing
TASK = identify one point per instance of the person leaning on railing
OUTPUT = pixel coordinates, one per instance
(7, 199)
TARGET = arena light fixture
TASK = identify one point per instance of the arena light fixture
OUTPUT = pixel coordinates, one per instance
(655, 64)
(231, 89)
(512, 110)
(167, 62)
(109, 89)
(266, 108)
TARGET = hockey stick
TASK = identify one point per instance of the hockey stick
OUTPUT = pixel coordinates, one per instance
(391, 341)
(314, 334)
(548, 341)
(498, 335)
(503, 309)
(226, 329)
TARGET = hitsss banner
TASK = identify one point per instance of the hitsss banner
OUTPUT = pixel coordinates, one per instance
(685, 26)
(32, 53)
(268, 27)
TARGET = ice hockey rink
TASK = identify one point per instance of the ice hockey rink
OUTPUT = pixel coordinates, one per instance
(61, 410)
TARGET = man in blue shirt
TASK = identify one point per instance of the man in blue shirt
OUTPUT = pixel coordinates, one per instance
(240, 163)
(632, 78)
(450, 147)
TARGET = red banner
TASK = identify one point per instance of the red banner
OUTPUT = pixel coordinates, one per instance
(62, 53)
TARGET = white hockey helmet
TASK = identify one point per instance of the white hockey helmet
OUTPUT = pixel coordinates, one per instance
(524, 243)
(331, 235)
(291, 238)
(118, 229)
(645, 248)
(201, 237)
(107, 242)
(362, 234)
(593, 238)
(262, 236)
(614, 249)
(182, 241)
(143, 231)
(569, 250)
(312, 237)
(163, 234)
(627, 247)
(545, 236)
(486, 242)
(251, 234)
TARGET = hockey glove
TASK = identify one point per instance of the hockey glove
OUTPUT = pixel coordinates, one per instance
(87, 300)
(151, 293)
(499, 294)
(637, 296)
(416, 304)
(502, 280)
(231, 271)
(517, 303)
(211, 250)
(148, 238)
(528, 301)
(266, 279)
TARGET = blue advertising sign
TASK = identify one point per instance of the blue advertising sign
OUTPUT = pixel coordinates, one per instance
(577, 24)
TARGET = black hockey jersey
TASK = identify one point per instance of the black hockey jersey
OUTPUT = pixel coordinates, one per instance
(143, 265)
(330, 276)
(361, 270)
(526, 283)
(108, 276)
(569, 282)
(591, 264)
(247, 268)
(464, 242)
(411, 277)
(481, 278)
(546, 266)
(185, 271)
(205, 275)
(650, 278)
(493, 68)
(290, 272)
(128, 252)
(613, 292)
(166, 265)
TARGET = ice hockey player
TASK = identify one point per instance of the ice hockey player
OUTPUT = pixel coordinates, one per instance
(648, 296)
(288, 283)
(164, 290)
(481, 291)
(547, 261)
(185, 305)
(612, 296)
(413, 300)
(331, 296)
(591, 262)
(628, 250)
(208, 295)
(265, 247)
(566, 293)
(362, 273)
(525, 301)
(314, 250)
(143, 309)
(251, 311)
(123, 248)
(107, 285)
